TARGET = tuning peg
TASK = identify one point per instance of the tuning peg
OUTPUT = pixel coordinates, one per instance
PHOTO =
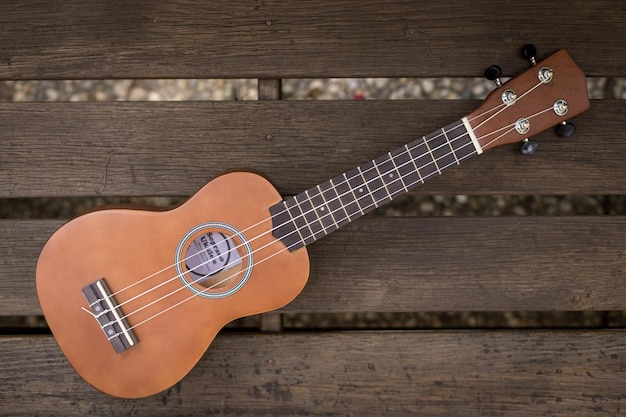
(528, 147)
(565, 129)
(530, 52)
(493, 73)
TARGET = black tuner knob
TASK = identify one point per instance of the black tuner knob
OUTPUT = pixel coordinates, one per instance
(565, 129)
(530, 52)
(493, 73)
(528, 147)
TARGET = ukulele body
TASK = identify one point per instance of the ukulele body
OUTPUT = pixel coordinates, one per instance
(173, 305)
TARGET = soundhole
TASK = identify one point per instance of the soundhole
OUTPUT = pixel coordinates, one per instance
(214, 260)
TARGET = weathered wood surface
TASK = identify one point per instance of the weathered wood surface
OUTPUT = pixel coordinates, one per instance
(182, 39)
(86, 149)
(456, 373)
(435, 264)
(410, 264)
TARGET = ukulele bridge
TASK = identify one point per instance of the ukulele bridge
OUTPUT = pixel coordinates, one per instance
(109, 316)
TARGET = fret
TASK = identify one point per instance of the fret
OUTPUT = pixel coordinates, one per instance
(333, 201)
(422, 159)
(395, 167)
(439, 149)
(407, 170)
(382, 179)
(296, 219)
(375, 184)
(303, 228)
(466, 149)
(462, 142)
(357, 184)
(322, 213)
(310, 215)
(417, 171)
(430, 151)
(346, 197)
(450, 145)
(389, 176)
(283, 227)
(369, 190)
(326, 208)
(344, 193)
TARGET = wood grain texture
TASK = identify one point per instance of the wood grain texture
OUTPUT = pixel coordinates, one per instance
(411, 264)
(114, 149)
(86, 149)
(530, 373)
(273, 39)
(270, 89)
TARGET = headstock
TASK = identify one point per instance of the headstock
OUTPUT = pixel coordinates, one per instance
(543, 96)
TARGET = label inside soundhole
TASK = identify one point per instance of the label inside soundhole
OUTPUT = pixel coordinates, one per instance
(208, 255)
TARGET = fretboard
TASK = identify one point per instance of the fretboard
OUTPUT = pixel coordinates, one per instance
(318, 211)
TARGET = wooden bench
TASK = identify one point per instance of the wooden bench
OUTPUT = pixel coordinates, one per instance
(458, 264)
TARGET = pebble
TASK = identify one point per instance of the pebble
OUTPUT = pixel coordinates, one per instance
(52, 94)
(154, 96)
(427, 207)
(428, 85)
(120, 89)
(101, 96)
(461, 199)
(137, 94)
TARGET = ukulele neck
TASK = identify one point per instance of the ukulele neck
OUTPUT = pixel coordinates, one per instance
(304, 218)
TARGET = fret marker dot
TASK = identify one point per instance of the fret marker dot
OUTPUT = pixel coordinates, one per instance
(97, 308)
(360, 190)
(390, 175)
(110, 331)
(321, 208)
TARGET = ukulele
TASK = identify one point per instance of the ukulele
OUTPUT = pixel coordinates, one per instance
(135, 297)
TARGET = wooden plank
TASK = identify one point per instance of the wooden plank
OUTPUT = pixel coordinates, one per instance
(112, 149)
(20, 246)
(282, 39)
(469, 264)
(412, 264)
(270, 89)
(457, 373)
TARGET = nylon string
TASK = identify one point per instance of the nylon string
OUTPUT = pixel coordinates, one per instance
(286, 248)
(193, 295)
(400, 178)
(257, 224)
(314, 208)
